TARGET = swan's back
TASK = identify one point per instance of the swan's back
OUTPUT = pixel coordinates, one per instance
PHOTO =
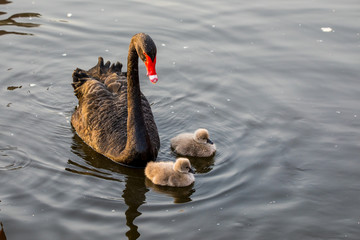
(100, 119)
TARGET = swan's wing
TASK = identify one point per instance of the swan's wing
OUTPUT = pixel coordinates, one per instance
(102, 71)
(109, 74)
(100, 119)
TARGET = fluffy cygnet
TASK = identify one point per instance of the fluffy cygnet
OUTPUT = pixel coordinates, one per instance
(178, 174)
(196, 144)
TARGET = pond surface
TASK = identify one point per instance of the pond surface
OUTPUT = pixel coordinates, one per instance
(276, 83)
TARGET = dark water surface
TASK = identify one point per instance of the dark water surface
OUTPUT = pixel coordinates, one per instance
(277, 83)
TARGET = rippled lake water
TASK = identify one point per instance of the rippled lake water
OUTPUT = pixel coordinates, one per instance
(275, 82)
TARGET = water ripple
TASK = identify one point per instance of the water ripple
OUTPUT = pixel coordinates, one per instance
(13, 159)
(12, 21)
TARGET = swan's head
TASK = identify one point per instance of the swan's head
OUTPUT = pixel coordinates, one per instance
(183, 165)
(146, 50)
(202, 136)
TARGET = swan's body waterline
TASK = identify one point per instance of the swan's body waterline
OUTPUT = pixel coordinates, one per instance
(113, 116)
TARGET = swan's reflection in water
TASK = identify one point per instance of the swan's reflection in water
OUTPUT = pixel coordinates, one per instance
(11, 21)
(136, 184)
(4, 1)
(2, 232)
(134, 191)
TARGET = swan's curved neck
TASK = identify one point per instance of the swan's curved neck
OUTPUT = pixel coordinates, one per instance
(137, 137)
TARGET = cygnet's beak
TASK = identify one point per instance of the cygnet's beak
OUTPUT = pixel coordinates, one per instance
(209, 141)
(191, 170)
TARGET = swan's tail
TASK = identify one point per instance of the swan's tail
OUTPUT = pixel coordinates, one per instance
(79, 78)
(99, 72)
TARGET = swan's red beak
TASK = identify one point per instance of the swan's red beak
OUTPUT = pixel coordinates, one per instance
(150, 67)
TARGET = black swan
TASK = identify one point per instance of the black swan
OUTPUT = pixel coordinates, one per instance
(113, 116)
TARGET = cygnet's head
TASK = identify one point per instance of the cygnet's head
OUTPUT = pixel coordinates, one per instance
(183, 165)
(202, 136)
